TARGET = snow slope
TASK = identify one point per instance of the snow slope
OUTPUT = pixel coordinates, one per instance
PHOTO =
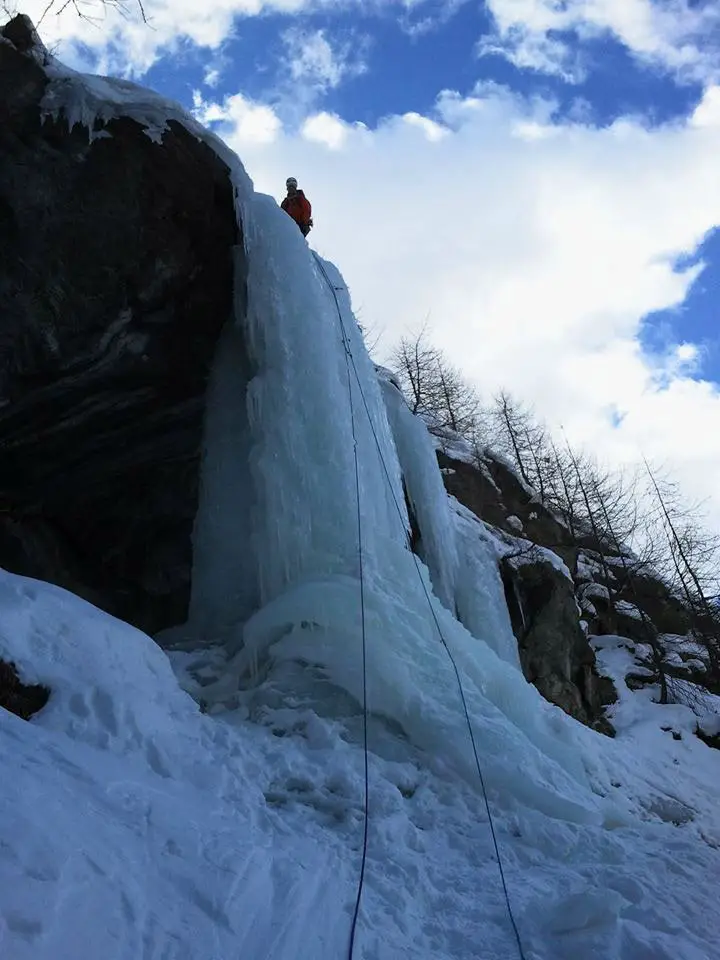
(136, 826)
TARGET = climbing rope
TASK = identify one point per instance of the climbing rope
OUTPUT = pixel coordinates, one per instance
(363, 862)
(349, 359)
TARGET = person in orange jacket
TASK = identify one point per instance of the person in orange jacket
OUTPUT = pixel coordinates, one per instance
(297, 205)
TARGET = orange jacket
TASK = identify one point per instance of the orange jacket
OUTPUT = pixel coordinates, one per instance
(298, 207)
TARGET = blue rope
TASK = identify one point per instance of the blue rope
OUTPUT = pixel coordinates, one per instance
(363, 864)
(350, 359)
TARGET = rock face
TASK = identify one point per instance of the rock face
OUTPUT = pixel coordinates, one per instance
(116, 277)
(554, 652)
(494, 493)
(20, 698)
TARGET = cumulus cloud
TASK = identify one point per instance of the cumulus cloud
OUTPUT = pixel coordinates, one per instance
(682, 36)
(313, 64)
(536, 247)
(326, 128)
(248, 123)
(313, 58)
(123, 43)
(530, 50)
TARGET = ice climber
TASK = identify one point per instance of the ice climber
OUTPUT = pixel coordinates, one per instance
(297, 205)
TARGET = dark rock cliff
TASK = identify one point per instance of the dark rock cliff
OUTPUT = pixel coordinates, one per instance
(557, 615)
(116, 277)
(555, 653)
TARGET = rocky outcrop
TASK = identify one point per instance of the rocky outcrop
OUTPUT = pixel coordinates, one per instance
(116, 277)
(608, 593)
(22, 699)
(667, 612)
(554, 652)
(494, 492)
(709, 739)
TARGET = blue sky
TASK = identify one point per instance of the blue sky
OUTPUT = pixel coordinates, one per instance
(406, 65)
(540, 178)
(407, 57)
(697, 319)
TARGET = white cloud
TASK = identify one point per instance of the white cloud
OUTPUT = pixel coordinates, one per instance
(249, 123)
(430, 16)
(707, 113)
(315, 63)
(326, 128)
(432, 130)
(679, 35)
(314, 59)
(530, 50)
(125, 45)
(536, 257)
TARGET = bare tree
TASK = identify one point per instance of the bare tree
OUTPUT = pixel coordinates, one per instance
(591, 483)
(433, 386)
(526, 441)
(608, 511)
(92, 11)
(412, 360)
(460, 402)
(513, 428)
(693, 564)
(564, 496)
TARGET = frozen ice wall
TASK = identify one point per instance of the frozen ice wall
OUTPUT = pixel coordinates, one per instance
(303, 426)
(224, 581)
(453, 543)
(479, 593)
(294, 397)
(426, 492)
(313, 399)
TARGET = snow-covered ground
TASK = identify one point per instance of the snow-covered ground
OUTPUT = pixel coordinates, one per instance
(135, 825)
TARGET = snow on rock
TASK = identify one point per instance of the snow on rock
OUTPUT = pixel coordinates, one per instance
(675, 769)
(90, 101)
(710, 723)
(114, 693)
(529, 553)
(453, 445)
(587, 607)
(625, 609)
(587, 567)
(597, 590)
(515, 523)
(22, 699)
